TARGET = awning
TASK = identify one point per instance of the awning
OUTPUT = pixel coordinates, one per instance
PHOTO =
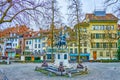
(73, 54)
(83, 54)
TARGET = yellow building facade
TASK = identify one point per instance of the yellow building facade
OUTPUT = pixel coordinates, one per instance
(103, 39)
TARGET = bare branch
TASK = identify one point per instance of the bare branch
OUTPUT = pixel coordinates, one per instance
(18, 13)
(3, 3)
(4, 14)
(110, 2)
(22, 9)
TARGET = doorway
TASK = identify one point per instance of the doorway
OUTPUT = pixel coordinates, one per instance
(94, 55)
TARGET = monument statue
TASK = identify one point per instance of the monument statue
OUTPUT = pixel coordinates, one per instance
(60, 40)
(61, 55)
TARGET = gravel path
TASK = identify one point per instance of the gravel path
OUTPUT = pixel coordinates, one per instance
(97, 71)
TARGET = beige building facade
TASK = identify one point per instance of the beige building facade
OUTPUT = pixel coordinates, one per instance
(103, 31)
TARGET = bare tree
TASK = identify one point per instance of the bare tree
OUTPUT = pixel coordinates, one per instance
(115, 6)
(75, 12)
(109, 38)
(116, 10)
(21, 11)
(110, 2)
(75, 17)
(52, 13)
(52, 18)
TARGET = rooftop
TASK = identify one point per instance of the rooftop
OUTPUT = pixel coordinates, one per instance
(107, 17)
(17, 30)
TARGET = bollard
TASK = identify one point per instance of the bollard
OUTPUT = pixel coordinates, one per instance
(86, 69)
(8, 60)
(69, 74)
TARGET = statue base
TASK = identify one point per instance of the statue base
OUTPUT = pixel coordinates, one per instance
(61, 58)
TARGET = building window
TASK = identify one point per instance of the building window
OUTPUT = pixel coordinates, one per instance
(35, 51)
(35, 45)
(27, 47)
(101, 27)
(101, 54)
(58, 56)
(75, 50)
(96, 27)
(85, 44)
(112, 27)
(30, 42)
(43, 38)
(104, 28)
(85, 50)
(97, 45)
(13, 45)
(36, 40)
(16, 44)
(109, 28)
(38, 45)
(49, 56)
(39, 51)
(26, 42)
(116, 45)
(97, 36)
(103, 36)
(110, 45)
(11, 40)
(107, 54)
(15, 39)
(104, 45)
(43, 44)
(71, 50)
(65, 56)
(93, 27)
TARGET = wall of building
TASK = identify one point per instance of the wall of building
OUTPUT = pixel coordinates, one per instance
(108, 53)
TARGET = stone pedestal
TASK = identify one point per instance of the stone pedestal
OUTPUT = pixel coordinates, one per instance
(61, 57)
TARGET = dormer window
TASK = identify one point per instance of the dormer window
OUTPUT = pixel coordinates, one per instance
(99, 12)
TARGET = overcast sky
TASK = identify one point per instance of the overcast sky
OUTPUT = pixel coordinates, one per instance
(88, 6)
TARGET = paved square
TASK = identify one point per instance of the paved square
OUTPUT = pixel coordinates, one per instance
(97, 71)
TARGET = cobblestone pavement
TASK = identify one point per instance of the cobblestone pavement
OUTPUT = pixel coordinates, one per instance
(97, 71)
